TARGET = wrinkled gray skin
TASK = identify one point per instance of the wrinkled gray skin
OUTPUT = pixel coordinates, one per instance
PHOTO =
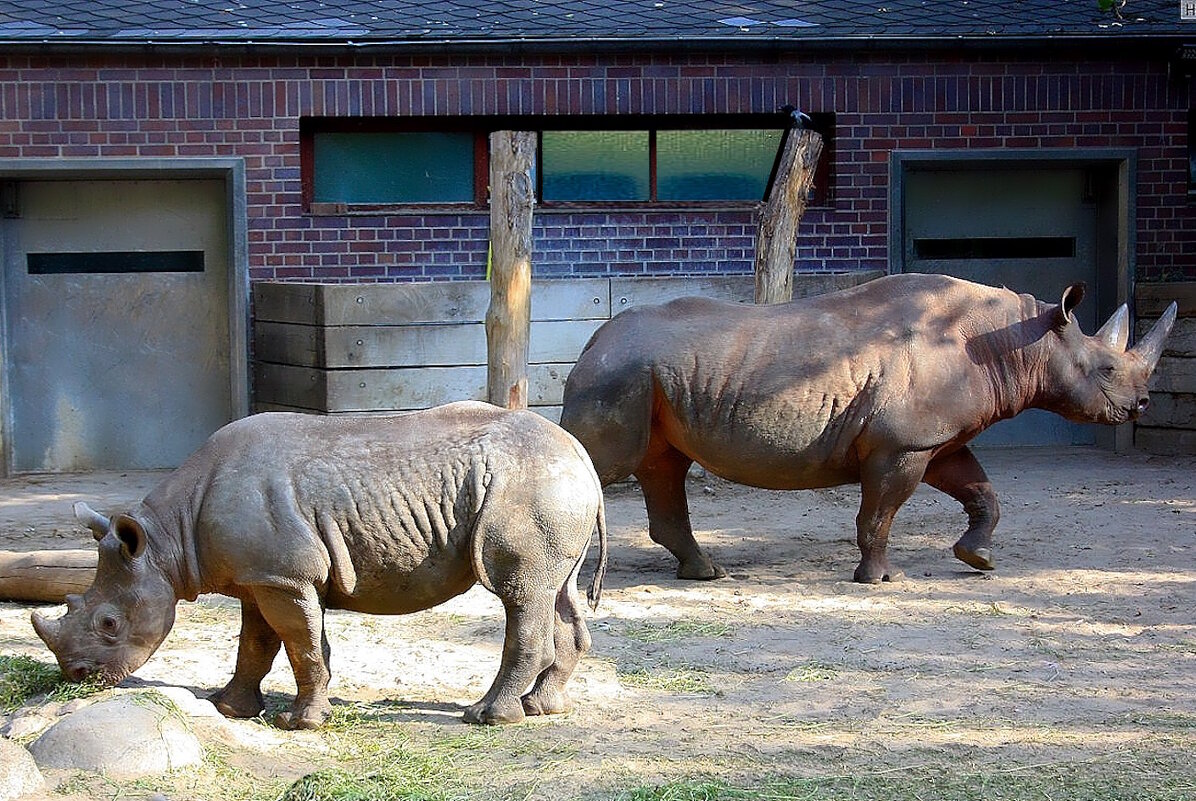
(881, 385)
(294, 513)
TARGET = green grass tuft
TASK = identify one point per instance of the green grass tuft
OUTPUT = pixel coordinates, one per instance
(22, 678)
(673, 680)
(675, 631)
(811, 671)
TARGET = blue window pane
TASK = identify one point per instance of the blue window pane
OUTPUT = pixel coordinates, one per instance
(595, 165)
(410, 167)
(714, 164)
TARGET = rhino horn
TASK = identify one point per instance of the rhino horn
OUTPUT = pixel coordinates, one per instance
(1116, 332)
(48, 629)
(1151, 346)
(91, 519)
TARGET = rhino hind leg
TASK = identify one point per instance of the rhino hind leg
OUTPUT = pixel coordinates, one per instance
(528, 650)
(297, 616)
(662, 479)
(258, 645)
(571, 639)
(959, 475)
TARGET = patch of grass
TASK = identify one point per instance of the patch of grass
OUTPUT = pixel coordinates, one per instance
(1163, 720)
(23, 678)
(381, 785)
(675, 631)
(688, 681)
(811, 671)
(1108, 781)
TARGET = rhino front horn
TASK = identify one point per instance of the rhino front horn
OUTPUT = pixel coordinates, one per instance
(47, 628)
(91, 519)
(1151, 346)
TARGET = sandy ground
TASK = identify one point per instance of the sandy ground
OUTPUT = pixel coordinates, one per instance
(1081, 646)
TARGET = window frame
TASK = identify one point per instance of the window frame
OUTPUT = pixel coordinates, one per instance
(482, 126)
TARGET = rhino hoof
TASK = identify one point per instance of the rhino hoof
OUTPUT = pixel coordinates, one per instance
(867, 575)
(980, 558)
(546, 703)
(311, 718)
(237, 705)
(704, 570)
(493, 715)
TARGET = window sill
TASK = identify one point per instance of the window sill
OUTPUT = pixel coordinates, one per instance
(599, 207)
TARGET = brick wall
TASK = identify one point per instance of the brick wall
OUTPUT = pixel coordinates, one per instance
(250, 107)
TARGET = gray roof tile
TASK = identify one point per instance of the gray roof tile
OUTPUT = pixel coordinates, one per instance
(120, 22)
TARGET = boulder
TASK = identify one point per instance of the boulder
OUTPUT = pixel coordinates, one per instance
(125, 737)
(18, 773)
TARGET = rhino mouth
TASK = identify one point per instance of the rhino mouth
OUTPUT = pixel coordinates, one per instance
(87, 671)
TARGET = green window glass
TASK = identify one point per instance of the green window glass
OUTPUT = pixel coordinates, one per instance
(714, 164)
(595, 165)
(407, 167)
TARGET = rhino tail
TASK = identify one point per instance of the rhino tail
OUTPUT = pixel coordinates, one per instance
(594, 593)
(340, 571)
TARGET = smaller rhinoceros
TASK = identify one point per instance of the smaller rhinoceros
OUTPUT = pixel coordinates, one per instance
(295, 513)
(881, 385)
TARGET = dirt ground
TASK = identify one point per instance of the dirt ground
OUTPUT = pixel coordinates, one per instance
(1080, 648)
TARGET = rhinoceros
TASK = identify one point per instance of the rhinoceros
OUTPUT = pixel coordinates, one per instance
(881, 385)
(294, 513)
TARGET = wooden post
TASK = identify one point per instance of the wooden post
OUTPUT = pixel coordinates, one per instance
(776, 241)
(45, 576)
(508, 319)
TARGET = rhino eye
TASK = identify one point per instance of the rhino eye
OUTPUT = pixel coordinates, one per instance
(108, 625)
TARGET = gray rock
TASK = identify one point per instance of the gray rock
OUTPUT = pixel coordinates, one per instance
(126, 737)
(18, 774)
(25, 725)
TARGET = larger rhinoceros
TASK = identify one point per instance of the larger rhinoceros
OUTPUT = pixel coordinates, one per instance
(883, 384)
(295, 513)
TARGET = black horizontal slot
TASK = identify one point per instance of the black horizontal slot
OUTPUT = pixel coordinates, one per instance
(997, 247)
(116, 261)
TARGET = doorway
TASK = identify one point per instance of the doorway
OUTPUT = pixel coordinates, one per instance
(1034, 225)
(123, 333)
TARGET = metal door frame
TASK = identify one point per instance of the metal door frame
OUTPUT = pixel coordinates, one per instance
(232, 172)
(1116, 178)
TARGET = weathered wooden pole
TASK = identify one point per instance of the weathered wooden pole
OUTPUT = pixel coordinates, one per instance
(508, 319)
(47, 576)
(776, 240)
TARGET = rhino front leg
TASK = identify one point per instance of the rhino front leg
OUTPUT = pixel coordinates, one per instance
(258, 645)
(959, 475)
(662, 479)
(885, 484)
(571, 639)
(298, 618)
(526, 652)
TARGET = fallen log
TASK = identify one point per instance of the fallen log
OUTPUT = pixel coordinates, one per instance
(45, 576)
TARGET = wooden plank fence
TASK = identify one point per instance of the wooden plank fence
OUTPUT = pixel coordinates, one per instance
(1169, 425)
(334, 348)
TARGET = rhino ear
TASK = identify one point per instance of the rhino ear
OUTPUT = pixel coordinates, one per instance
(131, 535)
(1071, 299)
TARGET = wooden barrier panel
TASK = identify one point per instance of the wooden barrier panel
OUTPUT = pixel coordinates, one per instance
(1169, 425)
(335, 348)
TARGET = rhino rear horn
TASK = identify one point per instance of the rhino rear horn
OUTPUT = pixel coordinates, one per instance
(1115, 333)
(91, 519)
(1151, 346)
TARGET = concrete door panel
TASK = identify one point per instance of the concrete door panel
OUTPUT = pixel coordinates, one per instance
(1032, 230)
(117, 322)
